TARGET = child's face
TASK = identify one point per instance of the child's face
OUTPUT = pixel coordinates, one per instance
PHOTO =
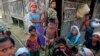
(74, 31)
(95, 37)
(87, 18)
(53, 5)
(62, 46)
(33, 8)
(51, 25)
(7, 48)
(33, 32)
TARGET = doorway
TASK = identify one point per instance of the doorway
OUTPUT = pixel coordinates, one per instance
(59, 14)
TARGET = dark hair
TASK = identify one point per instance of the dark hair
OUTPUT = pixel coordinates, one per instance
(2, 32)
(51, 20)
(8, 33)
(74, 50)
(31, 28)
(61, 40)
(51, 2)
(87, 15)
(3, 39)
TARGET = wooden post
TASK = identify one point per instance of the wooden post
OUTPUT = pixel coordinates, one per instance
(92, 6)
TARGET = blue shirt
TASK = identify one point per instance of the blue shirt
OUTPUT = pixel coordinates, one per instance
(72, 39)
(34, 16)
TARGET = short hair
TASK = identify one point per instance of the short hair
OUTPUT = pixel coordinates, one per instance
(61, 40)
(3, 39)
(51, 20)
(51, 2)
(32, 28)
(87, 15)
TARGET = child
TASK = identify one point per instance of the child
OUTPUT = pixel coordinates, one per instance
(51, 33)
(52, 12)
(51, 30)
(37, 20)
(73, 37)
(62, 49)
(94, 43)
(22, 52)
(88, 28)
(7, 46)
(33, 43)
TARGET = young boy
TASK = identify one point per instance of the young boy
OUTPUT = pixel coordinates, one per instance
(51, 34)
(94, 43)
(62, 49)
(7, 46)
(88, 28)
(33, 42)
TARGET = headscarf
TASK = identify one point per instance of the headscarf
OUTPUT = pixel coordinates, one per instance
(21, 51)
(96, 33)
(33, 4)
(78, 34)
(85, 52)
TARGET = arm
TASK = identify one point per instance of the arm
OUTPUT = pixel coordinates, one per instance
(64, 52)
(56, 33)
(28, 45)
(35, 21)
(42, 15)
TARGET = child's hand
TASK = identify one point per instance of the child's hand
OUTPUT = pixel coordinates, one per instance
(51, 43)
(62, 50)
(57, 50)
(48, 41)
(29, 49)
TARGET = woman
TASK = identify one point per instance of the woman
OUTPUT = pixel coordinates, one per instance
(73, 38)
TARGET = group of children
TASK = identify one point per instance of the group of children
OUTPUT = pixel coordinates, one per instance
(47, 38)
(57, 46)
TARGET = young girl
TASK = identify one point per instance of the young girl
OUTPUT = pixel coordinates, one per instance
(73, 38)
(94, 43)
(50, 34)
(22, 52)
(52, 12)
(62, 49)
(33, 43)
(37, 20)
